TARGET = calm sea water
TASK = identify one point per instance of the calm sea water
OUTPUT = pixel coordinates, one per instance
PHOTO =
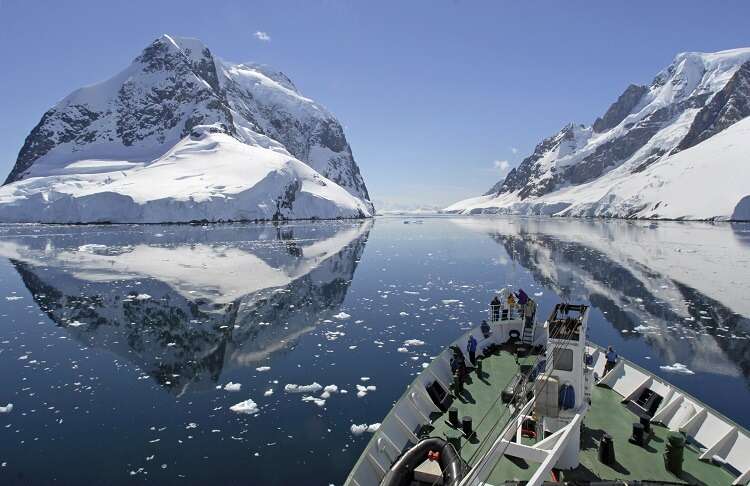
(116, 342)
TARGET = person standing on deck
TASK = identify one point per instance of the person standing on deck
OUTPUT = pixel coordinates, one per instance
(611, 359)
(485, 329)
(511, 304)
(471, 347)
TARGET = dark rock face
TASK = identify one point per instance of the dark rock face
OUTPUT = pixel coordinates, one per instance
(717, 112)
(299, 137)
(726, 108)
(141, 112)
(622, 148)
(620, 108)
(518, 178)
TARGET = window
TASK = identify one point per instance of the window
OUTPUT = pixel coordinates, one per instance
(563, 359)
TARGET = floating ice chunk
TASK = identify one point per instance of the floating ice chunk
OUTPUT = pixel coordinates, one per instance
(364, 390)
(402, 313)
(262, 368)
(142, 297)
(191, 425)
(268, 392)
(413, 342)
(538, 294)
(92, 248)
(13, 297)
(317, 401)
(342, 315)
(76, 324)
(311, 388)
(365, 378)
(362, 428)
(232, 387)
(402, 350)
(248, 406)
(328, 390)
(643, 328)
(450, 301)
(7, 409)
(677, 368)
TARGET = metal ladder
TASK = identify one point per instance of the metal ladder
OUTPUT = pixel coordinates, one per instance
(528, 332)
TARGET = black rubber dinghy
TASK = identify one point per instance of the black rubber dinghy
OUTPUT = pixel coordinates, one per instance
(402, 471)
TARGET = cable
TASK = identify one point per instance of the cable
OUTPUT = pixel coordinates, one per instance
(564, 345)
(519, 388)
(533, 400)
(516, 412)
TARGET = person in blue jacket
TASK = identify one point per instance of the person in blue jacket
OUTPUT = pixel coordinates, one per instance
(611, 359)
(471, 347)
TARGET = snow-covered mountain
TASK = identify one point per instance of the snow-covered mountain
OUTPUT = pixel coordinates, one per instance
(181, 135)
(677, 149)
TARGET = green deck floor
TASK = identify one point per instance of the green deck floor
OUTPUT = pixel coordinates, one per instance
(607, 415)
(480, 400)
(635, 462)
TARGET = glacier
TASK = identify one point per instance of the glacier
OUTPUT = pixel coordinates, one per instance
(677, 149)
(182, 136)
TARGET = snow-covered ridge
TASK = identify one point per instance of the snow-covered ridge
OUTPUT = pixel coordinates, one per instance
(180, 135)
(649, 155)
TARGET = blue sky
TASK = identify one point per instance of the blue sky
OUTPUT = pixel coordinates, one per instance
(433, 95)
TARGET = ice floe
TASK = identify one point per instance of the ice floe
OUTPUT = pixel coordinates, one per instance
(317, 401)
(311, 388)
(362, 428)
(247, 407)
(413, 342)
(364, 390)
(232, 387)
(341, 316)
(677, 368)
(7, 409)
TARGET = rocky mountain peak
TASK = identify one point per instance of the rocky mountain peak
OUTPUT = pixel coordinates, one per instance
(173, 85)
(611, 167)
(620, 108)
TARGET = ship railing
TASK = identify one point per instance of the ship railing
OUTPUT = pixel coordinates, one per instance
(720, 438)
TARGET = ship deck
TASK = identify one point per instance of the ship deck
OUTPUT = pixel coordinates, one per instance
(606, 415)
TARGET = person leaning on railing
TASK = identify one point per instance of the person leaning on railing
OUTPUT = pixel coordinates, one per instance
(611, 356)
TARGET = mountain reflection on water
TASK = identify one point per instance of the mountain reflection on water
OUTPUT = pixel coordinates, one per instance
(680, 287)
(186, 303)
(120, 341)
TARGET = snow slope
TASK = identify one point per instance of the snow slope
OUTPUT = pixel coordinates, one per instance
(206, 176)
(677, 149)
(180, 135)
